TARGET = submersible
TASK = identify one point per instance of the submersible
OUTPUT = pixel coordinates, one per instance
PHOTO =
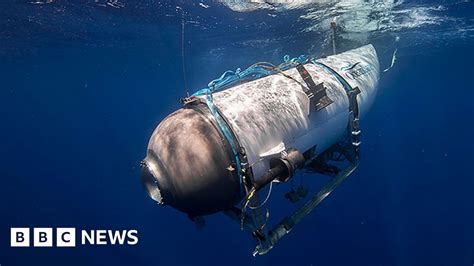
(252, 128)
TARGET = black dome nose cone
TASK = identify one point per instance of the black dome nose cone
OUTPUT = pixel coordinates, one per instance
(187, 164)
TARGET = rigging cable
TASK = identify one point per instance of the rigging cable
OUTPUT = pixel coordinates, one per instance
(183, 54)
(333, 29)
(265, 201)
(392, 63)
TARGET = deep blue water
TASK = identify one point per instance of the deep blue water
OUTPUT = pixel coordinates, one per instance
(84, 83)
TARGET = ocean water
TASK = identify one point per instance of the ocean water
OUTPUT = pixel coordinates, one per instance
(84, 83)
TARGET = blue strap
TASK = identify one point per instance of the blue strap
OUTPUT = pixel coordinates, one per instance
(226, 131)
(253, 72)
(344, 83)
(354, 130)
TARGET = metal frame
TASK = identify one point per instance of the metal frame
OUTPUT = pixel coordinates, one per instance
(267, 239)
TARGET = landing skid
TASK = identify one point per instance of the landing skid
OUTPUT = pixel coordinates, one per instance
(255, 222)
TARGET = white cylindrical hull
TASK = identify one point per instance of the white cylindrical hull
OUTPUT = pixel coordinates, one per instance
(273, 113)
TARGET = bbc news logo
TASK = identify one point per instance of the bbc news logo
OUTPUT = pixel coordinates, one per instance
(66, 237)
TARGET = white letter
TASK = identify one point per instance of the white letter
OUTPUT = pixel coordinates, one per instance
(90, 238)
(117, 235)
(132, 237)
(65, 237)
(43, 237)
(20, 237)
(101, 237)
